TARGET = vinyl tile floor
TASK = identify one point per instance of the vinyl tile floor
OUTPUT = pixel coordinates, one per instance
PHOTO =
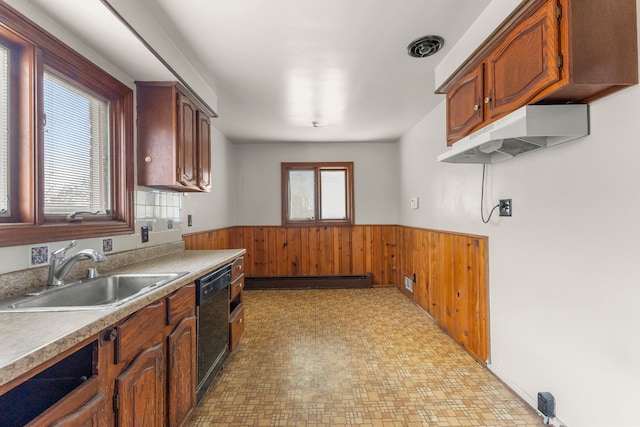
(357, 357)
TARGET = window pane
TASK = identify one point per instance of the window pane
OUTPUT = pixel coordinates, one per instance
(301, 195)
(76, 149)
(333, 194)
(4, 132)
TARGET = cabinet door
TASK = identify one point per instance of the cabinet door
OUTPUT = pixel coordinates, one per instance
(140, 390)
(204, 151)
(186, 144)
(181, 391)
(89, 415)
(236, 327)
(464, 105)
(84, 406)
(525, 63)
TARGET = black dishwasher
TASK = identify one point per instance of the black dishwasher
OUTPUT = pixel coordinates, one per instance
(212, 299)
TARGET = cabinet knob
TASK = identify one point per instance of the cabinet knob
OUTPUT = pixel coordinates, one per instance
(147, 159)
(110, 334)
(476, 107)
(487, 100)
(240, 320)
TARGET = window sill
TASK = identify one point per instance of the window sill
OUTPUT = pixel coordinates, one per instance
(24, 234)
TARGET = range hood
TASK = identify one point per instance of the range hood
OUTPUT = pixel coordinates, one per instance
(530, 128)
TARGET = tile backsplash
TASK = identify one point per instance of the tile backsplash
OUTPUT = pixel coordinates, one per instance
(157, 205)
(39, 255)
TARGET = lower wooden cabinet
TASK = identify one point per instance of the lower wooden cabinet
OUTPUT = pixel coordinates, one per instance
(84, 407)
(236, 327)
(181, 386)
(236, 309)
(140, 390)
(157, 386)
(91, 414)
(141, 371)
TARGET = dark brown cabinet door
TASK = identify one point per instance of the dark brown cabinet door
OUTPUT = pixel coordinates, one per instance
(525, 63)
(140, 390)
(464, 105)
(90, 414)
(187, 140)
(204, 151)
(181, 391)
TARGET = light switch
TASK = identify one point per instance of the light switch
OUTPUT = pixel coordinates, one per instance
(414, 202)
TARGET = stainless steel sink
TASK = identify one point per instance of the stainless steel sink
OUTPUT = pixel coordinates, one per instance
(92, 293)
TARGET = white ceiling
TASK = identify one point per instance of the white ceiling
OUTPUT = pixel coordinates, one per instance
(279, 65)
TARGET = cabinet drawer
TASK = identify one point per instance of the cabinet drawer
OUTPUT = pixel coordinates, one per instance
(236, 287)
(237, 268)
(145, 326)
(181, 304)
(236, 327)
(83, 406)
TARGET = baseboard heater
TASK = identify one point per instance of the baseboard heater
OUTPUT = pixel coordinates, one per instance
(309, 282)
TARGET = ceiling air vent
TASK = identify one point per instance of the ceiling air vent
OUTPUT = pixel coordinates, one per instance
(425, 46)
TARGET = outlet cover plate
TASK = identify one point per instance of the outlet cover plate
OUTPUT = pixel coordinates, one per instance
(506, 207)
(415, 202)
(144, 233)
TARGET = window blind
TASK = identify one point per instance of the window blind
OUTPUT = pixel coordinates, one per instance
(4, 132)
(76, 149)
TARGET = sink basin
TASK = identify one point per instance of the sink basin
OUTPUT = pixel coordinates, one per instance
(91, 293)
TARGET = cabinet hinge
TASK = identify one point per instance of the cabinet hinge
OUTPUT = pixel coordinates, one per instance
(560, 61)
(558, 11)
(116, 403)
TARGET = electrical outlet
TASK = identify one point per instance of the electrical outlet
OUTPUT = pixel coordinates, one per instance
(408, 283)
(144, 233)
(414, 202)
(189, 221)
(546, 404)
(505, 207)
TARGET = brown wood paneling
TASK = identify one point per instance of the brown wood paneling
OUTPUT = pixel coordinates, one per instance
(450, 268)
(357, 250)
(261, 259)
(293, 248)
(419, 254)
(390, 255)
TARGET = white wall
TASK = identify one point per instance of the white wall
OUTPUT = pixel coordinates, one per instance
(257, 197)
(215, 209)
(563, 279)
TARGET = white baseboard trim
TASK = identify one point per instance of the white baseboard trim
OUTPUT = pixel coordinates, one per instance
(530, 400)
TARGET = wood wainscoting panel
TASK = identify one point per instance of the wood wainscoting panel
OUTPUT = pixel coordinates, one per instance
(451, 282)
(450, 269)
(309, 251)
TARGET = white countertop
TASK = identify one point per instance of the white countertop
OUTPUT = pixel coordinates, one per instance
(30, 339)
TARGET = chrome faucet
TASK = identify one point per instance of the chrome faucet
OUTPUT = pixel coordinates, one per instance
(59, 267)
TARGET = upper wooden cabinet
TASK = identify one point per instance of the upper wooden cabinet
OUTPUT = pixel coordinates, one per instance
(464, 104)
(547, 51)
(174, 137)
(204, 133)
(524, 64)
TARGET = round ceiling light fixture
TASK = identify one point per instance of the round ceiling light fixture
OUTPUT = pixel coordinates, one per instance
(425, 46)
